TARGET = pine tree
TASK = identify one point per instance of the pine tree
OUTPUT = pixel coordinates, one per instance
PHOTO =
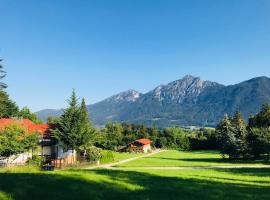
(67, 127)
(240, 132)
(226, 137)
(86, 134)
(2, 75)
(262, 119)
(8, 108)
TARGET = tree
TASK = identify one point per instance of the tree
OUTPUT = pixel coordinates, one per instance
(226, 138)
(2, 75)
(25, 113)
(240, 133)
(259, 142)
(262, 119)
(67, 127)
(86, 134)
(259, 133)
(74, 129)
(8, 108)
(53, 120)
(14, 139)
(114, 136)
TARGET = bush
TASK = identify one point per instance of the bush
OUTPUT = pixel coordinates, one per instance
(15, 140)
(36, 161)
(93, 154)
(107, 157)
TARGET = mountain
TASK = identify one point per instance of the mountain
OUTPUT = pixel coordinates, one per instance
(188, 101)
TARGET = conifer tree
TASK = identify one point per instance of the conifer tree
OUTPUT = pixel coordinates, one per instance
(85, 130)
(226, 137)
(240, 132)
(2, 75)
(67, 127)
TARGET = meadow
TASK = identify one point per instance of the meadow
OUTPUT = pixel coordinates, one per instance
(174, 158)
(131, 183)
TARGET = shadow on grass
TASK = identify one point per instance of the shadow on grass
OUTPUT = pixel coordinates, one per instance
(74, 185)
(259, 172)
(213, 160)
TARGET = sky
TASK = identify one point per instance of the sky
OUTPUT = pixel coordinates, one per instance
(103, 47)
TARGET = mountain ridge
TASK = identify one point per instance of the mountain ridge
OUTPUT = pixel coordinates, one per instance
(187, 101)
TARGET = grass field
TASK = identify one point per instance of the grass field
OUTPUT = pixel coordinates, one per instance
(30, 183)
(123, 156)
(179, 158)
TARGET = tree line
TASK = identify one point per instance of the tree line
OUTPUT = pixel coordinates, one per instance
(239, 140)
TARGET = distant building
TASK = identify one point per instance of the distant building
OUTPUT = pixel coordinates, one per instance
(142, 145)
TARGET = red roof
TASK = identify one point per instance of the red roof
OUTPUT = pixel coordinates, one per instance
(144, 141)
(43, 129)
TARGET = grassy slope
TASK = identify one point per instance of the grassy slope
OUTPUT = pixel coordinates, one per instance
(123, 156)
(178, 158)
(154, 184)
(29, 183)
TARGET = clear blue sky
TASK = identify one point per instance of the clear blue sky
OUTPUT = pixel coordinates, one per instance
(104, 47)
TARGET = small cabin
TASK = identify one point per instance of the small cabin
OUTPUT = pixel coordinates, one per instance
(140, 146)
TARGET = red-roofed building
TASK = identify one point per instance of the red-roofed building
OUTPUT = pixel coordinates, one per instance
(50, 148)
(141, 145)
(46, 142)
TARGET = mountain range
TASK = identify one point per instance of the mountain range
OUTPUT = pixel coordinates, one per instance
(188, 101)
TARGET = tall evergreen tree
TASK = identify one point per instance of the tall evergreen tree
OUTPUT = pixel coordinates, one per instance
(85, 130)
(240, 132)
(2, 75)
(262, 119)
(226, 137)
(8, 108)
(74, 129)
(67, 127)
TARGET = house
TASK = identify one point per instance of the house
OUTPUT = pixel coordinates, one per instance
(50, 149)
(142, 145)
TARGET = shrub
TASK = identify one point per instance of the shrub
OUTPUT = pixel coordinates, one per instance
(36, 160)
(93, 154)
(15, 139)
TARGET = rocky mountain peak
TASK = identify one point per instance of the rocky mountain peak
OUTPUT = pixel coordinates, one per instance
(128, 96)
(186, 89)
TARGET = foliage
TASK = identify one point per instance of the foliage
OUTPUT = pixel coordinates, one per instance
(113, 136)
(73, 129)
(226, 137)
(25, 113)
(36, 160)
(262, 119)
(259, 142)
(203, 139)
(241, 141)
(2, 75)
(116, 135)
(53, 120)
(14, 139)
(8, 108)
(92, 153)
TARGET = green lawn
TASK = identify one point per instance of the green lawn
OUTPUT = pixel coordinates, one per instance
(179, 158)
(131, 183)
(146, 184)
(123, 156)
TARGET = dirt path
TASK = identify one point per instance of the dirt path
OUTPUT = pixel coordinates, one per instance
(112, 165)
(184, 168)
